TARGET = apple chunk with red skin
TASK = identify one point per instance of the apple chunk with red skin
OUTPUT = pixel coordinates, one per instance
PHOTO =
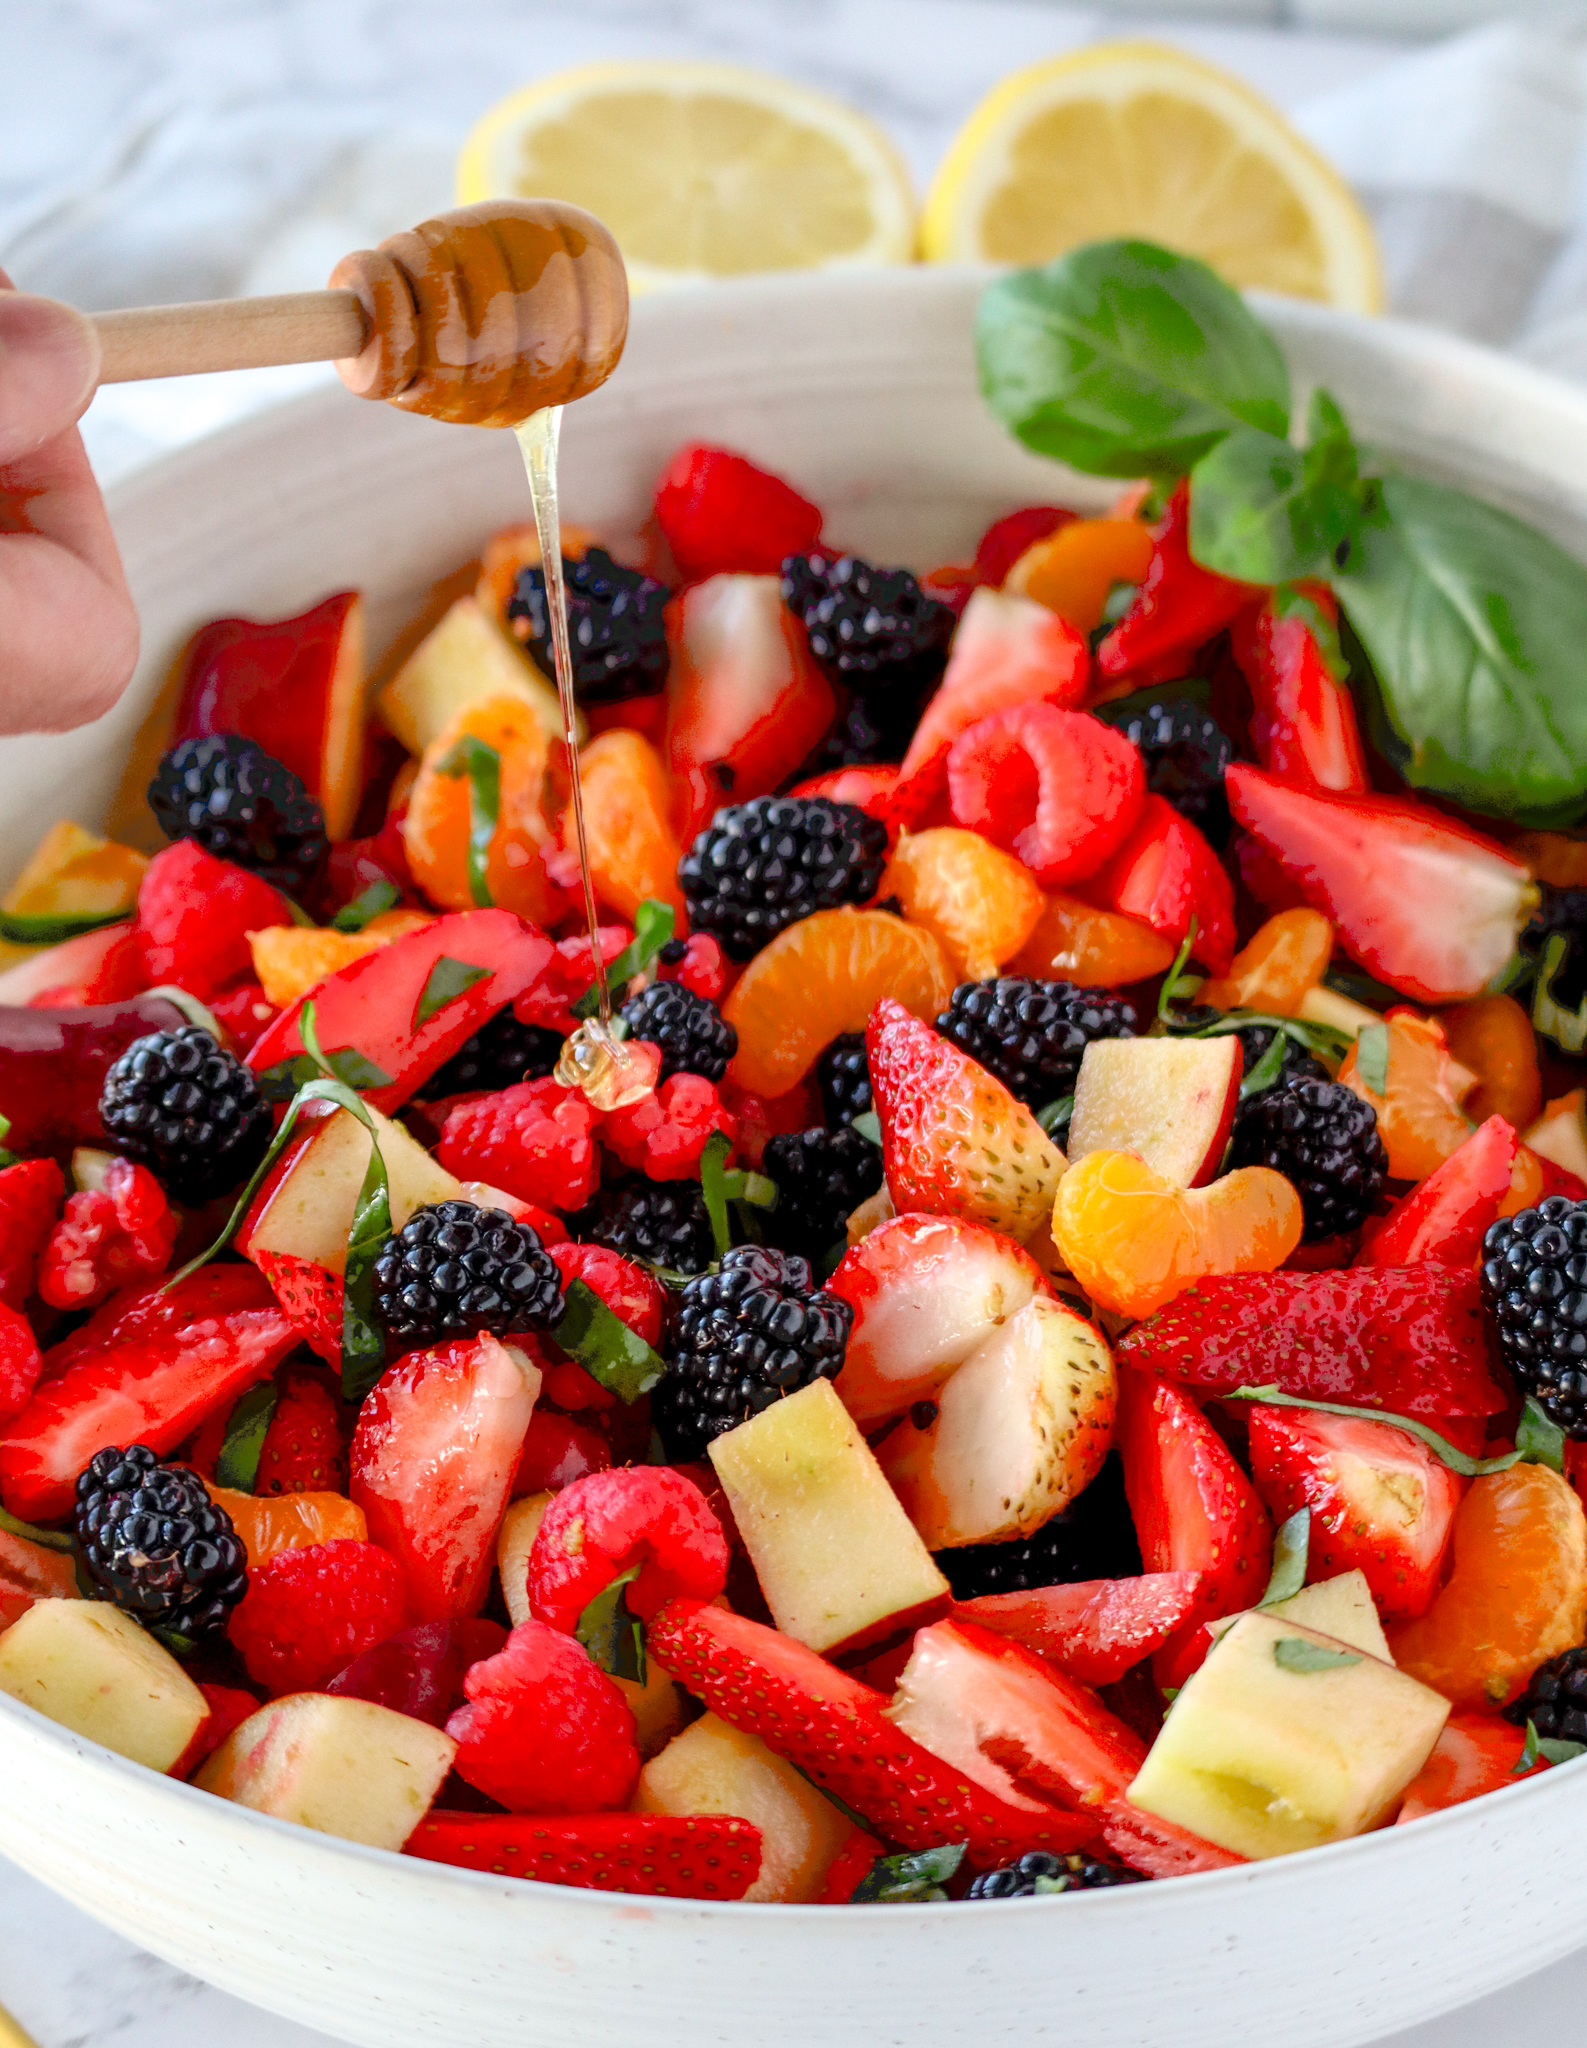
(1169, 1100)
(294, 685)
(306, 1210)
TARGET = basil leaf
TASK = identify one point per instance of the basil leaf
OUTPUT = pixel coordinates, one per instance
(173, 1639)
(470, 756)
(868, 1124)
(1055, 1116)
(1529, 1752)
(379, 896)
(1267, 1069)
(1290, 1546)
(448, 979)
(1538, 1441)
(909, 1878)
(1556, 1750)
(613, 1355)
(1550, 1019)
(247, 1426)
(1372, 1058)
(1124, 359)
(55, 928)
(1297, 1653)
(1176, 981)
(712, 1177)
(47, 1539)
(1441, 1447)
(363, 1337)
(653, 926)
(1258, 513)
(282, 1081)
(614, 1638)
(1474, 624)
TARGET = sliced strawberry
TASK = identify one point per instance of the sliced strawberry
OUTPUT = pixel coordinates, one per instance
(1476, 1753)
(194, 917)
(1094, 1631)
(1194, 1511)
(155, 1390)
(1272, 888)
(311, 1295)
(745, 700)
(846, 1869)
(1303, 722)
(96, 968)
(302, 1450)
(31, 1193)
(1409, 1340)
(954, 1141)
(565, 976)
(1178, 608)
(1006, 539)
(433, 1460)
(720, 513)
(1060, 789)
(1380, 1501)
(1166, 874)
(1447, 1217)
(1429, 905)
(161, 1307)
(19, 1361)
(657, 1855)
(834, 1728)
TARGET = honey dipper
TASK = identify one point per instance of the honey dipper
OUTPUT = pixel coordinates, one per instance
(481, 316)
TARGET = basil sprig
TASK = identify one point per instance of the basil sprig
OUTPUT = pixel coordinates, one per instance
(613, 1355)
(378, 897)
(1290, 1546)
(614, 1638)
(914, 1877)
(720, 1187)
(471, 756)
(247, 1426)
(1537, 1442)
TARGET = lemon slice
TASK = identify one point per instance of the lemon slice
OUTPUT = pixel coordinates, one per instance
(1138, 140)
(699, 170)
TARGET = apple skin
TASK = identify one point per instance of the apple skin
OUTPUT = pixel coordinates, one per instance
(294, 685)
(1171, 1101)
(53, 1064)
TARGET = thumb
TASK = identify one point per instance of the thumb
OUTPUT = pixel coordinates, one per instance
(49, 365)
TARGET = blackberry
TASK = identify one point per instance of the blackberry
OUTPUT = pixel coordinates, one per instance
(242, 805)
(822, 1177)
(499, 1055)
(844, 1077)
(156, 1544)
(454, 1269)
(1036, 1873)
(1534, 1281)
(759, 867)
(615, 627)
(1556, 1701)
(1563, 911)
(1032, 1034)
(1186, 752)
(874, 630)
(744, 1336)
(868, 730)
(658, 1222)
(688, 1028)
(191, 1113)
(1297, 1063)
(1325, 1142)
(1092, 1538)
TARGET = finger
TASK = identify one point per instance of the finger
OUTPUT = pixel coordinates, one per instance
(49, 365)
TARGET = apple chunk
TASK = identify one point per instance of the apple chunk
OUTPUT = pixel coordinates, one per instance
(343, 1766)
(91, 1668)
(464, 659)
(1019, 1431)
(1169, 1100)
(309, 1211)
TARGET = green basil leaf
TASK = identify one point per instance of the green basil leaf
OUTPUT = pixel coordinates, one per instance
(47, 1539)
(1474, 624)
(1267, 1069)
(378, 897)
(613, 1355)
(868, 1124)
(1055, 1116)
(1566, 1028)
(712, 1177)
(1290, 1546)
(1298, 1653)
(653, 926)
(1258, 514)
(909, 1878)
(614, 1638)
(1529, 1752)
(247, 1426)
(1372, 1058)
(448, 979)
(173, 1639)
(282, 1081)
(1124, 359)
(1538, 1441)
(363, 1336)
(1176, 981)
(55, 928)
(470, 756)
(1556, 1750)
(1440, 1446)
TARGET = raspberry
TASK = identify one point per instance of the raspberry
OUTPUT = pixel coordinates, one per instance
(106, 1237)
(719, 512)
(650, 1520)
(764, 1117)
(30, 1201)
(698, 964)
(664, 1133)
(545, 1730)
(309, 1612)
(535, 1141)
(1059, 789)
(194, 917)
(634, 1296)
(303, 1450)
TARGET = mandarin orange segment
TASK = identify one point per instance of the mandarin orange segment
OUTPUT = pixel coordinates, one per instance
(435, 831)
(1287, 956)
(1517, 1594)
(1093, 948)
(1493, 1036)
(822, 977)
(1073, 571)
(1553, 857)
(290, 1521)
(289, 959)
(1420, 1116)
(634, 852)
(979, 902)
(1133, 1240)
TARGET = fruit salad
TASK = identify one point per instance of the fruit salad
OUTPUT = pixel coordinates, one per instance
(1062, 1363)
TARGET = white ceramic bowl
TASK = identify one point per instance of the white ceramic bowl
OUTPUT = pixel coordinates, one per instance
(862, 391)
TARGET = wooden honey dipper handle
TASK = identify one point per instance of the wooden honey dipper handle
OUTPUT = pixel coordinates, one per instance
(481, 315)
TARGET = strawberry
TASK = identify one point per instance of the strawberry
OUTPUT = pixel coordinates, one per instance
(1447, 1217)
(106, 1237)
(663, 1134)
(1178, 608)
(1166, 874)
(302, 1450)
(1006, 539)
(31, 1193)
(1304, 721)
(161, 1307)
(1096, 1630)
(745, 700)
(194, 917)
(1380, 1501)
(720, 513)
(851, 1863)
(1476, 1753)
(310, 1294)
(19, 1361)
(1059, 789)
(566, 974)
(433, 1459)
(954, 1140)
(1194, 1511)
(535, 1140)
(834, 1728)
(1429, 905)
(154, 1389)
(698, 1856)
(95, 970)
(1410, 1340)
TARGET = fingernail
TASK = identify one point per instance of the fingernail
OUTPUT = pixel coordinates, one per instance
(49, 364)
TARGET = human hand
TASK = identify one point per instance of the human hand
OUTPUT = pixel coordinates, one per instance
(68, 630)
